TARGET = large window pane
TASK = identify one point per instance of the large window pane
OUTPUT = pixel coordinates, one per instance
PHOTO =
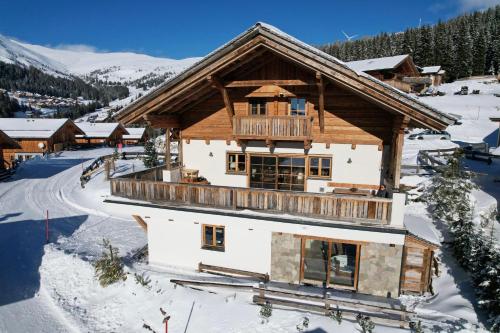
(343, 264)
(315, 260)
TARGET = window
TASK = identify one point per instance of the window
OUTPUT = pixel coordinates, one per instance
(213, 237)
(297, 106)
(320, 167)
(236, 163)
(277, 172)
(257, 107)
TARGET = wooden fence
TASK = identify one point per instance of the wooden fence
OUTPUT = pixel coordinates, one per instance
(275, 127)
(325, 206)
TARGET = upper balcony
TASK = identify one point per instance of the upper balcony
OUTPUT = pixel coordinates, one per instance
(148, 186)
(273, 128)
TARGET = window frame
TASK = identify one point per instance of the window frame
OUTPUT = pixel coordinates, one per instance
(290, 107)
(320, 159)
(213, 246)
(237, 171)
(258, 100)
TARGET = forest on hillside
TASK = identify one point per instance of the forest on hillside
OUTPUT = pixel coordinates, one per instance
(466, 45)
(15, 77)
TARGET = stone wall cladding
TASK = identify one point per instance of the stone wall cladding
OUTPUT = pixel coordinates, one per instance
(380, 269)
(285, 258)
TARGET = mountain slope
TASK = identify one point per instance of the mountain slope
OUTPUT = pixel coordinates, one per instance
(124, 67)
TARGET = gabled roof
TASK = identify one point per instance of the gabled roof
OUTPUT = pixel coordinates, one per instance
(134, 133)
(430, 70)
(262, 35)
(99, 130)
(377, 64)
(32, 128)
(7, 142)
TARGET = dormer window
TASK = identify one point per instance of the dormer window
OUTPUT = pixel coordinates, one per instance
(297, 106)
(257, 106)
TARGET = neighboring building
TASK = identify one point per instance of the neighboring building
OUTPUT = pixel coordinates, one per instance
(279, 147)
(6, 142)
(107, 134)
(36, 137)
(136, 135)
(497, 120)
(435, 73)
(399, 71)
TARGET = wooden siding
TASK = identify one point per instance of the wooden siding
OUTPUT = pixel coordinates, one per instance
(417, 266)
(333, 207)
(272, 127)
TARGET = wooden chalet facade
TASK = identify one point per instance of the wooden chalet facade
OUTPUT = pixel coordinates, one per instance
(135, 136)
(106, 134)
(6, 142)
(269, 124)
(36, 137)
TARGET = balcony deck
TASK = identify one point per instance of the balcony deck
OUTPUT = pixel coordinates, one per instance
(337, 207)
(297, 128)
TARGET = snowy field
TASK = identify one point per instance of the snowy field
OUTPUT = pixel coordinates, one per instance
(52, 288)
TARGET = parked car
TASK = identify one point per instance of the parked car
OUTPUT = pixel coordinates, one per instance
(430, 134)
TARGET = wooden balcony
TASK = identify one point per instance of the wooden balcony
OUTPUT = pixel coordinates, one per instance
(324, 206)
(274, 128)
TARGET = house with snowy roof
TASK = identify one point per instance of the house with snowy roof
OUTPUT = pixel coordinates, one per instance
(435, 73)
(36, 137)
(6, 142)
(136, 135)
(107, 134)
(280, 154)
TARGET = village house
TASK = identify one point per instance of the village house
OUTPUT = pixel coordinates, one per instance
(106, 134)
(399, 71)
(280, 150)
(36, 137)
(136, 135)
(6, 142)
(435, 73)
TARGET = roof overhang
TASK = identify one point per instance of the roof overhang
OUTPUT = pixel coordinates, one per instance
(264, 36)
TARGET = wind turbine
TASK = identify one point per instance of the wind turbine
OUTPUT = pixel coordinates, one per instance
(349, 37)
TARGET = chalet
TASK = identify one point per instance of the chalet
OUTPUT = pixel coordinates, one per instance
(6, 142)
(279, 148)
(36, 137)
(136, 135)
(107, 134)
(435, 73)
(497, 120)
(399, 71)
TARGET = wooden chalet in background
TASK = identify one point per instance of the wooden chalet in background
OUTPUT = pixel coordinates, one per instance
(36, 137)
(108, 134)
(6, 142)
(136, 135)
(274, 149)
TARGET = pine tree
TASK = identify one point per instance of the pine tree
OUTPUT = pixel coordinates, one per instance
(151, 156)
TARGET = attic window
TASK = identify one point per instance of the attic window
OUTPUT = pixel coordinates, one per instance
(257, 107)
(297, 106)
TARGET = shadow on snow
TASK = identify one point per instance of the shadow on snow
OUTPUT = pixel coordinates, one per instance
(45, 168)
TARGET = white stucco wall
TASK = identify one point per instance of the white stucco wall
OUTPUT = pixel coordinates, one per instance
(175, 238)
(361, 165)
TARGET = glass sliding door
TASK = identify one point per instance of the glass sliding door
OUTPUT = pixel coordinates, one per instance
(277, 172)
(291, 173)
(263, 171)
(315, 260)
(342, 264)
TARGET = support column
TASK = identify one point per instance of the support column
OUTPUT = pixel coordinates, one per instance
(397, 149)
(167, 149)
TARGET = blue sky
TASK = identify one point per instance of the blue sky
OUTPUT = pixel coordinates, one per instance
(184, 28)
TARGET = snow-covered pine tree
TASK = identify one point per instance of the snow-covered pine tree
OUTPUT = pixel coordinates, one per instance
(151, 157)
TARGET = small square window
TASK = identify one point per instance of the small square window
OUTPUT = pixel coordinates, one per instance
(258, 106)
(297, 106)
(320, 167)
(236, 163)
(213, 237)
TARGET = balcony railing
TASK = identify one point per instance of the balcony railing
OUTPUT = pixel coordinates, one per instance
(325, 206)
(272, 127)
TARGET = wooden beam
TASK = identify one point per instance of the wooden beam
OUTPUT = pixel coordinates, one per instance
(141, 222)
(399, 126)
(162, 121)
(225, 96)
(259, 83)
(321, 103)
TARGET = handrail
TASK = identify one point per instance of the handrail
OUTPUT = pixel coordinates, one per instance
(277, 127)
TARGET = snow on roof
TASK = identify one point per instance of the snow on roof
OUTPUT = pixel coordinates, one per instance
(134, 133)
(377, 63)
(431, 69)
(421, 228)
(97, 130)
(31, 128)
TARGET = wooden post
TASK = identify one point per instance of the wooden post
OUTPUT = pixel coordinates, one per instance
(168, 158)
(397, 143)
(327, 302)
(321, 102)
(215, 81)
(262, 289)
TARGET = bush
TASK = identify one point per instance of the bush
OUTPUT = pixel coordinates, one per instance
(266, 311)
(109, 269)
(143, 280)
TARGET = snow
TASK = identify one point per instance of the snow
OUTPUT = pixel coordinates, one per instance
(30, 128)
(97, 130)
(368, 65)
(430, 69)
(134, 133)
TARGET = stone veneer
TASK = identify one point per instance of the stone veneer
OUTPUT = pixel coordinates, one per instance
(285, 257)
(380, 269)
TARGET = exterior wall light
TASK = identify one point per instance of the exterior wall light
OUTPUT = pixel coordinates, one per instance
(349, 160)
